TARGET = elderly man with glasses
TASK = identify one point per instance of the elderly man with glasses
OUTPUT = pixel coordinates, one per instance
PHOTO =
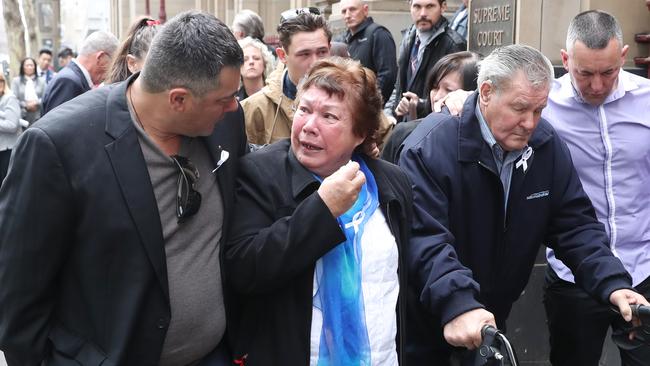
(113, 216)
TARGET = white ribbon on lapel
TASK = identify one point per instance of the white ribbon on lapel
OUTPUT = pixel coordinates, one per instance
(523, 162)
(222, 159)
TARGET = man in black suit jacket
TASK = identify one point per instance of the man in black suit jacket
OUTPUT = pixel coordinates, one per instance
(43, 65)
(82, 73)
(112, 216)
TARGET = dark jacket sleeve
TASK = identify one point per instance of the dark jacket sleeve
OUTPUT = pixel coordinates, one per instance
(393, 100)
(272, 241)
(59, 91)
(578, 238)
(393, 147)
(384, 56)
(35, 216)
(447, 287)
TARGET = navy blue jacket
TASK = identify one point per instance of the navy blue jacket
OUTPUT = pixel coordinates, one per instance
(67, 84)
(456, 184)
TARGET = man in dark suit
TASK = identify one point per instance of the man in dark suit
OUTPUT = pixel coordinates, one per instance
(82, 73)
(370, 43)
(113, 216)
(425, 42)
(43, 69)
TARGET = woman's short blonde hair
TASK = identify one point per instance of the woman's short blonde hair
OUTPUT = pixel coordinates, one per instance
(269, 60)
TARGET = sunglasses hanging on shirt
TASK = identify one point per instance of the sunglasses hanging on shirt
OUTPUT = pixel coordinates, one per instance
(188, 199)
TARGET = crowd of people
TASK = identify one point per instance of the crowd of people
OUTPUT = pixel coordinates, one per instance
(194, 196)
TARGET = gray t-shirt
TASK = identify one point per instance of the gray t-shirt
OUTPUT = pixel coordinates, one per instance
(198, 319)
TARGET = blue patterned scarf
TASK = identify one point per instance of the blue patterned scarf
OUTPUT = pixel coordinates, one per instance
(344, 336)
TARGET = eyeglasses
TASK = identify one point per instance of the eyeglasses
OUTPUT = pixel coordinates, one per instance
(292, 13)
(188, 200)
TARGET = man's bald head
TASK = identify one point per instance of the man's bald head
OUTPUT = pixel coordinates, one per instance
(354, 12)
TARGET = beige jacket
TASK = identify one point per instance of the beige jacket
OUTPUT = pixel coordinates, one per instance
(269, 112)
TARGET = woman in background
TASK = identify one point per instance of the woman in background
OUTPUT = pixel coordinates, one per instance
(258, 64)
(9, 124)
(133, 50)
(452, 72)
(29, 89)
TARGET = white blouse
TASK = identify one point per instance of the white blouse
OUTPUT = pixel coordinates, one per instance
(30, 89)
(380, 287)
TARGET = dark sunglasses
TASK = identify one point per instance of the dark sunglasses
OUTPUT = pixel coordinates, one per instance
(188, 200)
(292, 13)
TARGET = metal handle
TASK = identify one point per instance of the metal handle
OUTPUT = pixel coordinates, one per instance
(641, 312)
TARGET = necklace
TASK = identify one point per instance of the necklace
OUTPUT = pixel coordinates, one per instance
(137, 118)
(162, 141)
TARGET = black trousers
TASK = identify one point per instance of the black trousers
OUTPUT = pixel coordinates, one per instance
(578, 325)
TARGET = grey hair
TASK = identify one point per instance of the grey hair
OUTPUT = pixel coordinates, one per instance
(99, 41)
(504, 62)
(248, 22)
(594, 28)
(190, 51)
(269, 60)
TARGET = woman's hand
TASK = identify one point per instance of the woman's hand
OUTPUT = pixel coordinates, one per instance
(340, 190)
(407, 105)
(372, 150)
(454, 101)
(31, 106)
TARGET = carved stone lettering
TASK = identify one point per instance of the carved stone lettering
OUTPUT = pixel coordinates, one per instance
(492, 25)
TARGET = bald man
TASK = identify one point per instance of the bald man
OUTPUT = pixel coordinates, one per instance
(370, 43)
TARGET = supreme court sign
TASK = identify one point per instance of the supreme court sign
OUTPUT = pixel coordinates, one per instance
(491, 25)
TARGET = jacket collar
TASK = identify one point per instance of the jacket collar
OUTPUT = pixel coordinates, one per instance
(472, 146)
(118, 119)
(366, 22)
(625, 84)
(411, 32)
(274, 84)
(131, 172)
(273, 91)
(304, 183)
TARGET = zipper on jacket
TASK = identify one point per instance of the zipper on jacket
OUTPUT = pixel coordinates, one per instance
(487, 167)
(500, 246)
(504, 210)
